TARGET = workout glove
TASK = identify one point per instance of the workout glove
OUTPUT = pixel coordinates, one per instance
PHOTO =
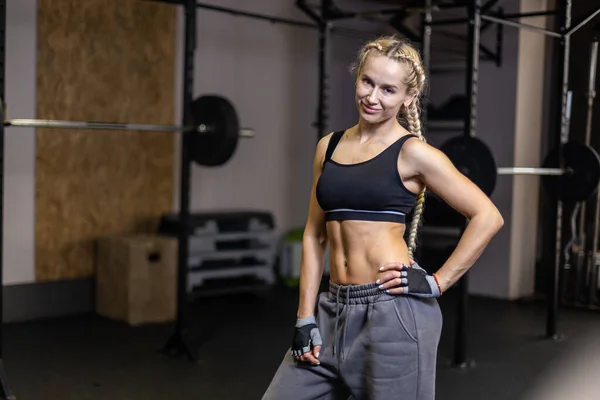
(306, 336)
(418, 283)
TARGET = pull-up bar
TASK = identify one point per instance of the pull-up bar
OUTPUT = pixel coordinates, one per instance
(270, 18)
(519, 25)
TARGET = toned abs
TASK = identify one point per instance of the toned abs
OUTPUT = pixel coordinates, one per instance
(359, 248)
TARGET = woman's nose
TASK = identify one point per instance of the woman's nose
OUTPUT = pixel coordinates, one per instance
(372, 97)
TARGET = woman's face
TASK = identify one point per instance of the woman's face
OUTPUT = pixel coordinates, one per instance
(380, 89)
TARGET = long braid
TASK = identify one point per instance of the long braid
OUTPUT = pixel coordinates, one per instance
(414, 124)
(403, 52)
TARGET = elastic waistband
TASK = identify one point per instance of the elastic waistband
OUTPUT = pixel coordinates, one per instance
(357, 294)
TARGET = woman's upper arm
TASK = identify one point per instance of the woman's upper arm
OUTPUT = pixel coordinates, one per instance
(441, 176)
(316, 217)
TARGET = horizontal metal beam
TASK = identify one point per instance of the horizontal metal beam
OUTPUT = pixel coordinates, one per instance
(301, 4)
(240, 13)
(531, 171)
(48, 123)
(449, 21)
(530, 14)
(408, 9)
(457, 21)
(587, 19)
(521, 26)
(264, 17)
(488, 5)
(279, 20)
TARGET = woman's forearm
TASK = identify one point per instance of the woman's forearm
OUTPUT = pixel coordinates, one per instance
(473, 242)
(311, 272)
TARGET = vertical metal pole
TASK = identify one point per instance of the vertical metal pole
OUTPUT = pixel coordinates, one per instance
(564, 10)
(180, 342)
(324, 38)
(426, 20)
(5, 392)
(184, 183)
(474, 30)
(499, 39)
(591, 95)
(3, 105)
(579, 275)
(592, 275)
(472, 80)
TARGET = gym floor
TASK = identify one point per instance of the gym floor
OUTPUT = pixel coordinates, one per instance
(243, 339)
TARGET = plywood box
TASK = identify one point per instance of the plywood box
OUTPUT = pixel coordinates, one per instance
(136, 279)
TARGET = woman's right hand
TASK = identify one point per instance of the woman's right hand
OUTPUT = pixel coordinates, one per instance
(307, 342)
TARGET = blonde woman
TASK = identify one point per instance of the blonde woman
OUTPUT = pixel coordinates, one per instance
(374, 334)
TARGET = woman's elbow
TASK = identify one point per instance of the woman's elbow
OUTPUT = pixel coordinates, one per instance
(499, 221)
(494, 219)
(490, 218)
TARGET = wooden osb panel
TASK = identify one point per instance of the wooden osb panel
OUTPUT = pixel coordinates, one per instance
(101, 60)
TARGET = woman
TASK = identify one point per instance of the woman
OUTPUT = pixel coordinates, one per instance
(375, 334)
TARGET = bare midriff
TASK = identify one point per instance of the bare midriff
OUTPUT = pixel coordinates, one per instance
(358, 248)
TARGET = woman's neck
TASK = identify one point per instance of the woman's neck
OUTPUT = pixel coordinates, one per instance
(366, 131)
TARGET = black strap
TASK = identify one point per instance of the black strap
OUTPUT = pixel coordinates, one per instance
(333, 142)
(404, 138)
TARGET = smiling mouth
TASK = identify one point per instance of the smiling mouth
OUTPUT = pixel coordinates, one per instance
(369, 109)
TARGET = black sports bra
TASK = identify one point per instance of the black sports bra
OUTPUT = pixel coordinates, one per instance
(369, 191)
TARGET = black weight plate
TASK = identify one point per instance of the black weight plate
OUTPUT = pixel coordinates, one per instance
(218, 145)
(473, 158)
(582, 182)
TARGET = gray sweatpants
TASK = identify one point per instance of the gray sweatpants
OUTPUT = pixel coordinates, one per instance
(375, 346)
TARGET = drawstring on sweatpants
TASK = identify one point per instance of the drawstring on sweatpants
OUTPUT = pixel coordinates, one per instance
(346, 322)
(337, 319)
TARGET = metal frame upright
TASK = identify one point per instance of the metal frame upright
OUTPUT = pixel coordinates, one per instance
(562, 65)
(470, 130)
(180, 341)
(5, 392)
(324, 40)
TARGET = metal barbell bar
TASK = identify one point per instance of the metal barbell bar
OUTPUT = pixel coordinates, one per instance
(573, 180)
(212, 117)
(532, 171)
(48, 123)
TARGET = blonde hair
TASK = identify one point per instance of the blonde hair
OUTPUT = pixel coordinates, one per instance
(415, 81)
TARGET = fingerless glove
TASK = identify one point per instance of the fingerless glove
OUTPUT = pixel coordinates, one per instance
(306, 336)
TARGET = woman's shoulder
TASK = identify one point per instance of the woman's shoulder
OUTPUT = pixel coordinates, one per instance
(421, 154)
(415, 146)
(323, 143)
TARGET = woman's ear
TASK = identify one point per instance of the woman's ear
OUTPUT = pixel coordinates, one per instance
(408, 101)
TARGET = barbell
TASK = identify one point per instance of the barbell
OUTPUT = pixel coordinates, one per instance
(575, 181)
(214, 129)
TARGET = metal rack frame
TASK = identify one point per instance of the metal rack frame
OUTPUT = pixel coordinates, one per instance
(329, 12)
(180, 341)
(476, 14)
(566, 30)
